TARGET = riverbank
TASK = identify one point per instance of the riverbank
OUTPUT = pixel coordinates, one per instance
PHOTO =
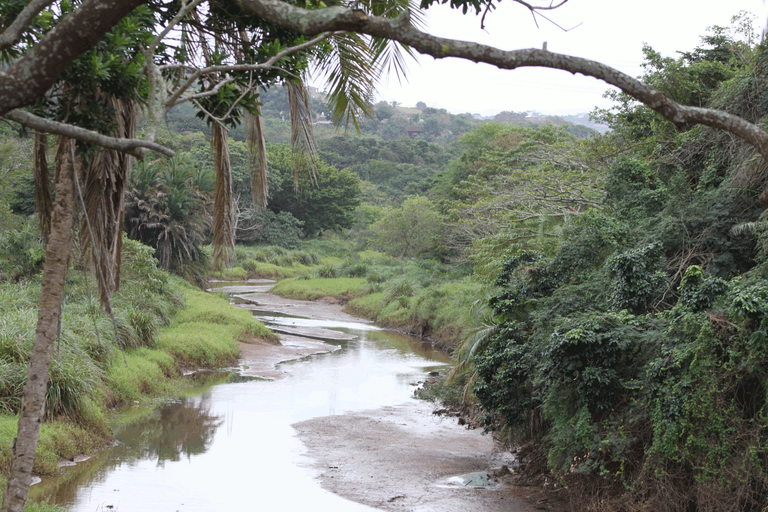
(400, 457)
(420, 299)
(164, 328)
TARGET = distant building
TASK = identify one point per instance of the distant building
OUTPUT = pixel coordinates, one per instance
(314, 92)
(413, 131)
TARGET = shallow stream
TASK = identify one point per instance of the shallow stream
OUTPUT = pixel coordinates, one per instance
(232, 447)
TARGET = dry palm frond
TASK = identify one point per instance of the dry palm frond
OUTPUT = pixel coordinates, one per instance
(223, 208)
(302, 133)
(43, 200)
(105, 177)
(257, 156)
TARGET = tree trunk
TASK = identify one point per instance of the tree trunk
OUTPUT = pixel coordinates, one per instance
(54, 272)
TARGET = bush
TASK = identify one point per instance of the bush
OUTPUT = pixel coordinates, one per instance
(21, 252)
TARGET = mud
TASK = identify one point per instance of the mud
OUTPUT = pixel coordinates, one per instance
(319, 310)
(261, 359)
(405, 458)
(398, 458)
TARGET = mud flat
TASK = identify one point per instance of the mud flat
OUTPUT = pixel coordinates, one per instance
(405, 458)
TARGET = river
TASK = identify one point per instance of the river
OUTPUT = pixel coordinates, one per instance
(232, 447)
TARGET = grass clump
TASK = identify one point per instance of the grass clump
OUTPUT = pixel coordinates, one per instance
(343, 288)
(367, 306)
(143, 372)
(266, 270)
(201, 344)
(59, 439)
(211, 309)
(273, 262)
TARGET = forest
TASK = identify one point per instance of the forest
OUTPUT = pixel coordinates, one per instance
(603, 295)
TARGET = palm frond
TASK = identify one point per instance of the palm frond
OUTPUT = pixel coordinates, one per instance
(257, 156)
(390, 56)
(223, 208)
(302, 133)
(352, 76)
(106, 178)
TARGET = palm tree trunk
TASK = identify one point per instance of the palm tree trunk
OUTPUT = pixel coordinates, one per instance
(223, 209)
(54, 272)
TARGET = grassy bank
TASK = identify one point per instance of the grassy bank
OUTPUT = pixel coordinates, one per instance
(313, 288)
(163, 326)
(268, 262)
(423, 298)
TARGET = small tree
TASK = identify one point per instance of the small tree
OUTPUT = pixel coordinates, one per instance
(409, 231)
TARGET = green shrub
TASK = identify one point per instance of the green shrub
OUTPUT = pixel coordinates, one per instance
(21, 252)
(201, 344)
(326, 270)
(400, 290)
(638, 278)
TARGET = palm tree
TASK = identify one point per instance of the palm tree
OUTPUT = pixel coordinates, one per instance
(167, 208)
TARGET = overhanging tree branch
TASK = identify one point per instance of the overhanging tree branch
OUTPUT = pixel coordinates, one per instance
(136, 147)
(12, 34)
(311, 22)
(27, 79)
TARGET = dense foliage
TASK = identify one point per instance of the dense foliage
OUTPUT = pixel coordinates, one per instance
(631, 348)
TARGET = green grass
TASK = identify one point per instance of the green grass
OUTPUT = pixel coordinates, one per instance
(145, 374)
(368, 306)
(315, 288)
(163, 323)
(59, 439)
(201, 344)
(441, 311)
(232, 274)
(266, 270)
(213, 309)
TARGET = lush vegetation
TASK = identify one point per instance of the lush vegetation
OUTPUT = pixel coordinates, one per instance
(603, 295)
(627, 339)
(162, 326)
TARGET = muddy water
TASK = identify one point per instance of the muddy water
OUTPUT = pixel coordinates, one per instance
(232, 447)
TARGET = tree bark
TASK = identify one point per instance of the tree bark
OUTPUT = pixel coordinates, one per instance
(54, 272)
(27, 79)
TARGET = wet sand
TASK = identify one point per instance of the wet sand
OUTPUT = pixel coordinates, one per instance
(405, 458)
(262, 358)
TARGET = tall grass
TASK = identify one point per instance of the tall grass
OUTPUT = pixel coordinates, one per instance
(270, 262)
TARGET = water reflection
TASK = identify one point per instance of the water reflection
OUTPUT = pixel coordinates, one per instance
(214, 451)
(183, 428)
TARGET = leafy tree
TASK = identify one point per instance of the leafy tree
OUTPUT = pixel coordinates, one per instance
(409, 231)
(328, 205)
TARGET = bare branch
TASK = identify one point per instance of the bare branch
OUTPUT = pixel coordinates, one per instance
(12, 34)
(136, 147)
(192, 97)
(186, 7)
(268, 64)
(400, 29)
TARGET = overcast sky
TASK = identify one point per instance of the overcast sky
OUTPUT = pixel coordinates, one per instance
(609, 31)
